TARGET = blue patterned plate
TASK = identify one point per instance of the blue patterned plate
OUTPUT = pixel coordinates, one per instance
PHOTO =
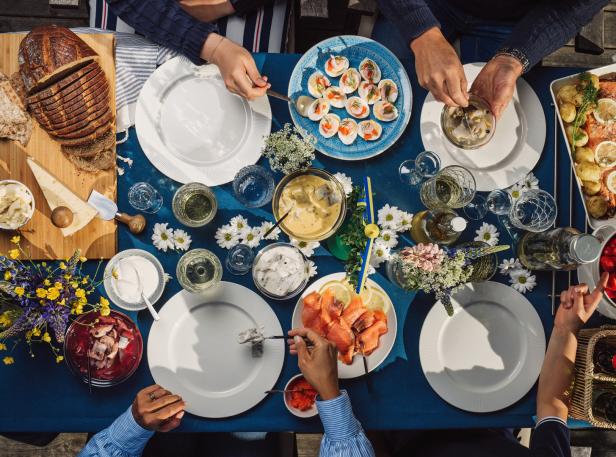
(355, 49)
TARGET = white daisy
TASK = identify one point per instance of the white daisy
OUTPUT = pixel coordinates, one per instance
(488, 234)
(227, 237)
(516, 191)
(181, 239)
(239, 223)
(267, 225)
(389, 217)
(163, 237)
(388, 237)
(251, 237)
(531, 181)
(522, 281)
(509, 265)
(371, 270)
(312, 269)
(406, 221)
(380, 253)
(347, 183)
(166, 277)
(307, 247)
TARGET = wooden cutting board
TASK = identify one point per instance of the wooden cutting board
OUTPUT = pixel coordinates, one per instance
(98, 239)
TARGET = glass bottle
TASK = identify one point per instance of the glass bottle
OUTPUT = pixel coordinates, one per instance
(604, 406)
(604, 358)
(441, 226)
(558, 249)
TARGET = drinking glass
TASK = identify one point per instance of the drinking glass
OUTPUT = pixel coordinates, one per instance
(499, 202)
(144, 197)
(194, 204)
(239, 259)
(452, 187)
(534, 211)
(198, 270)
(424, 166)
(253, 186)
(477, 208)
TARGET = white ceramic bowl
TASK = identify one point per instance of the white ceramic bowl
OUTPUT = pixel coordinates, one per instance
(296, 412)
(30, 214)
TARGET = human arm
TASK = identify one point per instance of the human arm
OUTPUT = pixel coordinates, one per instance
(154, 409)
(167, 23)
(319, 365)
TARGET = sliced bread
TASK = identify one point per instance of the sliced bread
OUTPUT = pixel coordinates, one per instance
(103, 160)
(72, 90)
(15, 123)
(89, 138)
(88, 71)
(65, 118)
(85, 126)
(107, 141)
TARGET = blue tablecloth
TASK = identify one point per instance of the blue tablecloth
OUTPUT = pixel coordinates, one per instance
(38, 395)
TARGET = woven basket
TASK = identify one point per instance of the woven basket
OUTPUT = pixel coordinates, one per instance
(586, 380)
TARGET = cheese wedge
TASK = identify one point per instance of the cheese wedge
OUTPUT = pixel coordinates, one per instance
(57, 194)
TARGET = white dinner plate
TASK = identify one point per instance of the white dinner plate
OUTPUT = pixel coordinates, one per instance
(386, 342)
(486, 356)
(514, 150)
(193, 129)
(193, 350)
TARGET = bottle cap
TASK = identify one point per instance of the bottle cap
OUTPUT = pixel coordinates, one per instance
(458, 224)
(585, 248)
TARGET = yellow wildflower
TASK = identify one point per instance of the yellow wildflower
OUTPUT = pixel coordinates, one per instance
(41, 293)
(104, 302)
(43, 264)
(14, 253)
(58, 285)
(46, 338)
(7, 275)
(36, 331)
(105, 311)
(79, 309)
(83, 300)
(59, 358)
(8, 360)
(83, 259)
(80, 293)
(5, 320)
(15, 239)
(19, 291)
(62, 302)
(47, 282)
(2, 347)
(53, 293)
(74, 284)
(115, 273)
(67, 277)
(84, 281)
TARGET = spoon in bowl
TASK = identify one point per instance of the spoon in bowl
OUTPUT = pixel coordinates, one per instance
(151, 309)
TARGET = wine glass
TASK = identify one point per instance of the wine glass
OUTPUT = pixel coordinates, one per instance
(534, 211)
(477, 208)
(452, 187)
(497, 202)
(424, 166)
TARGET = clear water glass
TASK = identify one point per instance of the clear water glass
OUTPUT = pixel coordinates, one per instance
(253, 186)
(452, 187)
(534, 211)
(198, 270)
(144, 197)
(239, 259)
(499, 202)
(424, 166)
(477, 208)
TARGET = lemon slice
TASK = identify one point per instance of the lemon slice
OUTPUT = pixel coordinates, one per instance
(340, 291)
(605, 112)
(366, 294)
(610, 181)
(379, 301)
(605, 154)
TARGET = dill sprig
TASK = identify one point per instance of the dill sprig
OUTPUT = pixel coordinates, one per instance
(589, 99)
(354, 236)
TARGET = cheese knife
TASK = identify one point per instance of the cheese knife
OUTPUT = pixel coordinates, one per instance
(108, 210)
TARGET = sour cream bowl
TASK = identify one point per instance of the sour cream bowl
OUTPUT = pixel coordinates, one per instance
(280, 271)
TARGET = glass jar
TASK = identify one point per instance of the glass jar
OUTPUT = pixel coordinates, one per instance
(558, 249)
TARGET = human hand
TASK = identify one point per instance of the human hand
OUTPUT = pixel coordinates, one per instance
(319, 364)
(439, 69)
(236, 65)
(495, 82)
(158, 409)
(577, 304)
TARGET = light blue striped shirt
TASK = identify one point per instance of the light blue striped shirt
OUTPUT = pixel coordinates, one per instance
(344, 436)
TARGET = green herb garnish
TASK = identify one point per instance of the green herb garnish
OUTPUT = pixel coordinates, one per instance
(353, 235)
(589, 99)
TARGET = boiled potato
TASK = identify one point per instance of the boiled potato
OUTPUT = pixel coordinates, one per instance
(587, 171)
(578, 100)
(591, 187)
(594, 79)
(567, 112)
(581, 137)
(597, 206)
(583, 154)
(567, 93)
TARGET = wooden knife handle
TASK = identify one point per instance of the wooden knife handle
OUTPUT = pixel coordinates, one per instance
(136, 223)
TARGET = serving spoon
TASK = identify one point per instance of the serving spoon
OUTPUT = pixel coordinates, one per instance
(301, 103)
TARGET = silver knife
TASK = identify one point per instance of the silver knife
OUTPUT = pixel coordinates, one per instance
(108, 210)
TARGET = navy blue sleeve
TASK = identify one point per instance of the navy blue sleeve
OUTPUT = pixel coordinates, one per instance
(410, 17)
(549, 25)
(550, 439)
(166, 23)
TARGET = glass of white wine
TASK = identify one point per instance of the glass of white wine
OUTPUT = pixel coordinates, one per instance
(199, 270)
(452, 187)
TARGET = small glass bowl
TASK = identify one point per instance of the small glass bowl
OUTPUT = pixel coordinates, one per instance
(80, 325)
(183, 194)
(452, 120)
(291, 294)
(27, 190)
(321, 174)
(253, 186)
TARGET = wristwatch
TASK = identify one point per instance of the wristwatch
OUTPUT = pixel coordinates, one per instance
(516, 54)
